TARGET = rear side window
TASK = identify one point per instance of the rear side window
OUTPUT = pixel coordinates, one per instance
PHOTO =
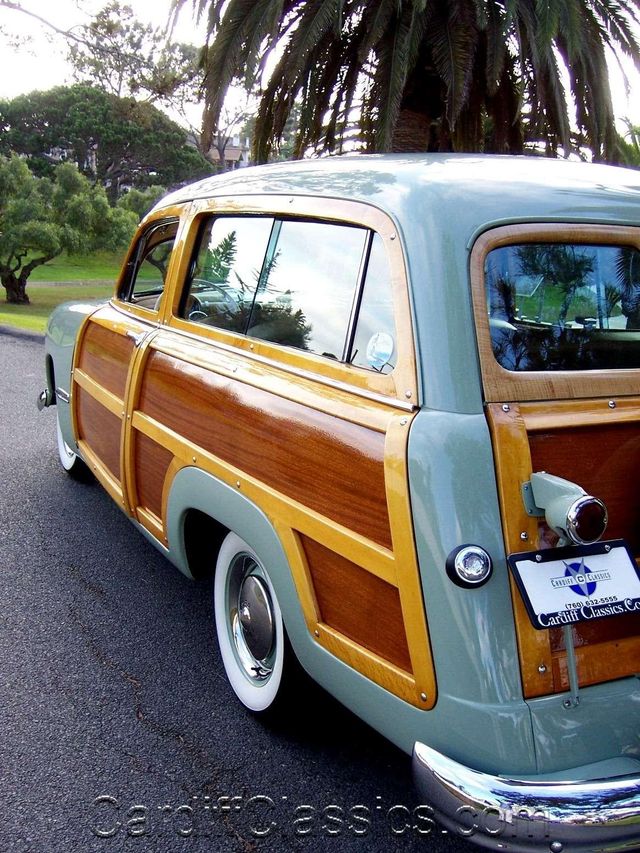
(564, 306)
(374, 343)
(321, 287)
(308, 284)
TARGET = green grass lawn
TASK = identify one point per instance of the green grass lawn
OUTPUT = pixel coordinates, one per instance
(99, 265)
(96, 275)
(44, 299)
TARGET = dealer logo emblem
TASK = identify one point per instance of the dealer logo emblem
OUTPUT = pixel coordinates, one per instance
(580, 579)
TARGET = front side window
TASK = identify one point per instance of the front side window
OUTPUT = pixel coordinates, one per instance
(564, 306)
(148, 269)
(226, 271)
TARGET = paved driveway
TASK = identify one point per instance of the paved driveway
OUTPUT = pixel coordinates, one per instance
(118, 731)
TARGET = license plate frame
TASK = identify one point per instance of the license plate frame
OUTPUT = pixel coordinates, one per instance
(559, 588)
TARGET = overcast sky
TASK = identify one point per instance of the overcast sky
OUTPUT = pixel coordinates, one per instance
(41, 63)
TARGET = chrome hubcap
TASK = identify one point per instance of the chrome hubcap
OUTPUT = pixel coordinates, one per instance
(251, 618)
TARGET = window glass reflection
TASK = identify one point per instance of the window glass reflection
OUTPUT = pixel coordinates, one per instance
(564, 306)
(307, 287)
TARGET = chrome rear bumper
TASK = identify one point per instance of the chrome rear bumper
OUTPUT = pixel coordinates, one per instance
(524, 815)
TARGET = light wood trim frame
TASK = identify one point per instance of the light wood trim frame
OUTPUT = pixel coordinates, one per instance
(544, 415)
(112, 403)
(506, 385)
(402, 382)
(127, 441)
(150, 315)
(102, 473)
(404, 550)
(513, 467)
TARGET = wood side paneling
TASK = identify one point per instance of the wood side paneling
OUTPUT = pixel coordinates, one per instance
(151, 464)
(586, 633)
(356, 603)
(291, 447)
(605, 461)
(100, 429)
(105, 357)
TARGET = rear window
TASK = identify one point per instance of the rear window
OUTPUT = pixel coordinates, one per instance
(564, 306)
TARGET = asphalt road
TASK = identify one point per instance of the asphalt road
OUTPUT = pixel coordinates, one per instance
(118, 731)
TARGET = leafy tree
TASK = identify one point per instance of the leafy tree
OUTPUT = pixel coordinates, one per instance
(141, 201)
(116, 141)
(121, 55)
(42, 217)
(463, 75)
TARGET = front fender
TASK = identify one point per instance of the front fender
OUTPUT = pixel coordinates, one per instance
(62, 332)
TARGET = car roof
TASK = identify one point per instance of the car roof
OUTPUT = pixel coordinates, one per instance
(469, 191)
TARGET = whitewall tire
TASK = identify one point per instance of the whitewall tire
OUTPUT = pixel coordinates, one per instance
(249, 625)
(69, 459)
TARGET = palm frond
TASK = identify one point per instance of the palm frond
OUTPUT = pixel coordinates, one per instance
(452, 36)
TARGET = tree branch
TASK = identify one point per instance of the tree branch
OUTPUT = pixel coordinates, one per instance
(9, 4)
(26, 271)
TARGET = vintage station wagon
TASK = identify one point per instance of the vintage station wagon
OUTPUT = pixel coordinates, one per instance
(394, 404)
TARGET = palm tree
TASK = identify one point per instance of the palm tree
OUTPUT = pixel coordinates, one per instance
(448, 75)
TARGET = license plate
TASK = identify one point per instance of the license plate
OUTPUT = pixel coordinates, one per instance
(561, 586)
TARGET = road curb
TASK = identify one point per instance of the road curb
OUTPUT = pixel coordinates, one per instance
(25, 334)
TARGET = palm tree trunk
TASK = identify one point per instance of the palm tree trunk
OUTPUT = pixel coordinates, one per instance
(412, 132)
(422, 124)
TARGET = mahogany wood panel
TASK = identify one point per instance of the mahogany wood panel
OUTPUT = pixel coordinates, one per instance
(586, 633)
(605, 460)
(330, 465)
(596, 668)
(358, 604)
(105, 357)
(151, 464)
(100, 428)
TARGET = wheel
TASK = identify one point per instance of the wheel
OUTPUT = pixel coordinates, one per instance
(70, 461)
(249, 625)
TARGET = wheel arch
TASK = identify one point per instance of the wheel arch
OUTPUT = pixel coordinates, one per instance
(196, 498)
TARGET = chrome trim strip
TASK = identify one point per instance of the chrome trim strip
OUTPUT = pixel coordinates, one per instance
(523, 815)
(63, 395)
